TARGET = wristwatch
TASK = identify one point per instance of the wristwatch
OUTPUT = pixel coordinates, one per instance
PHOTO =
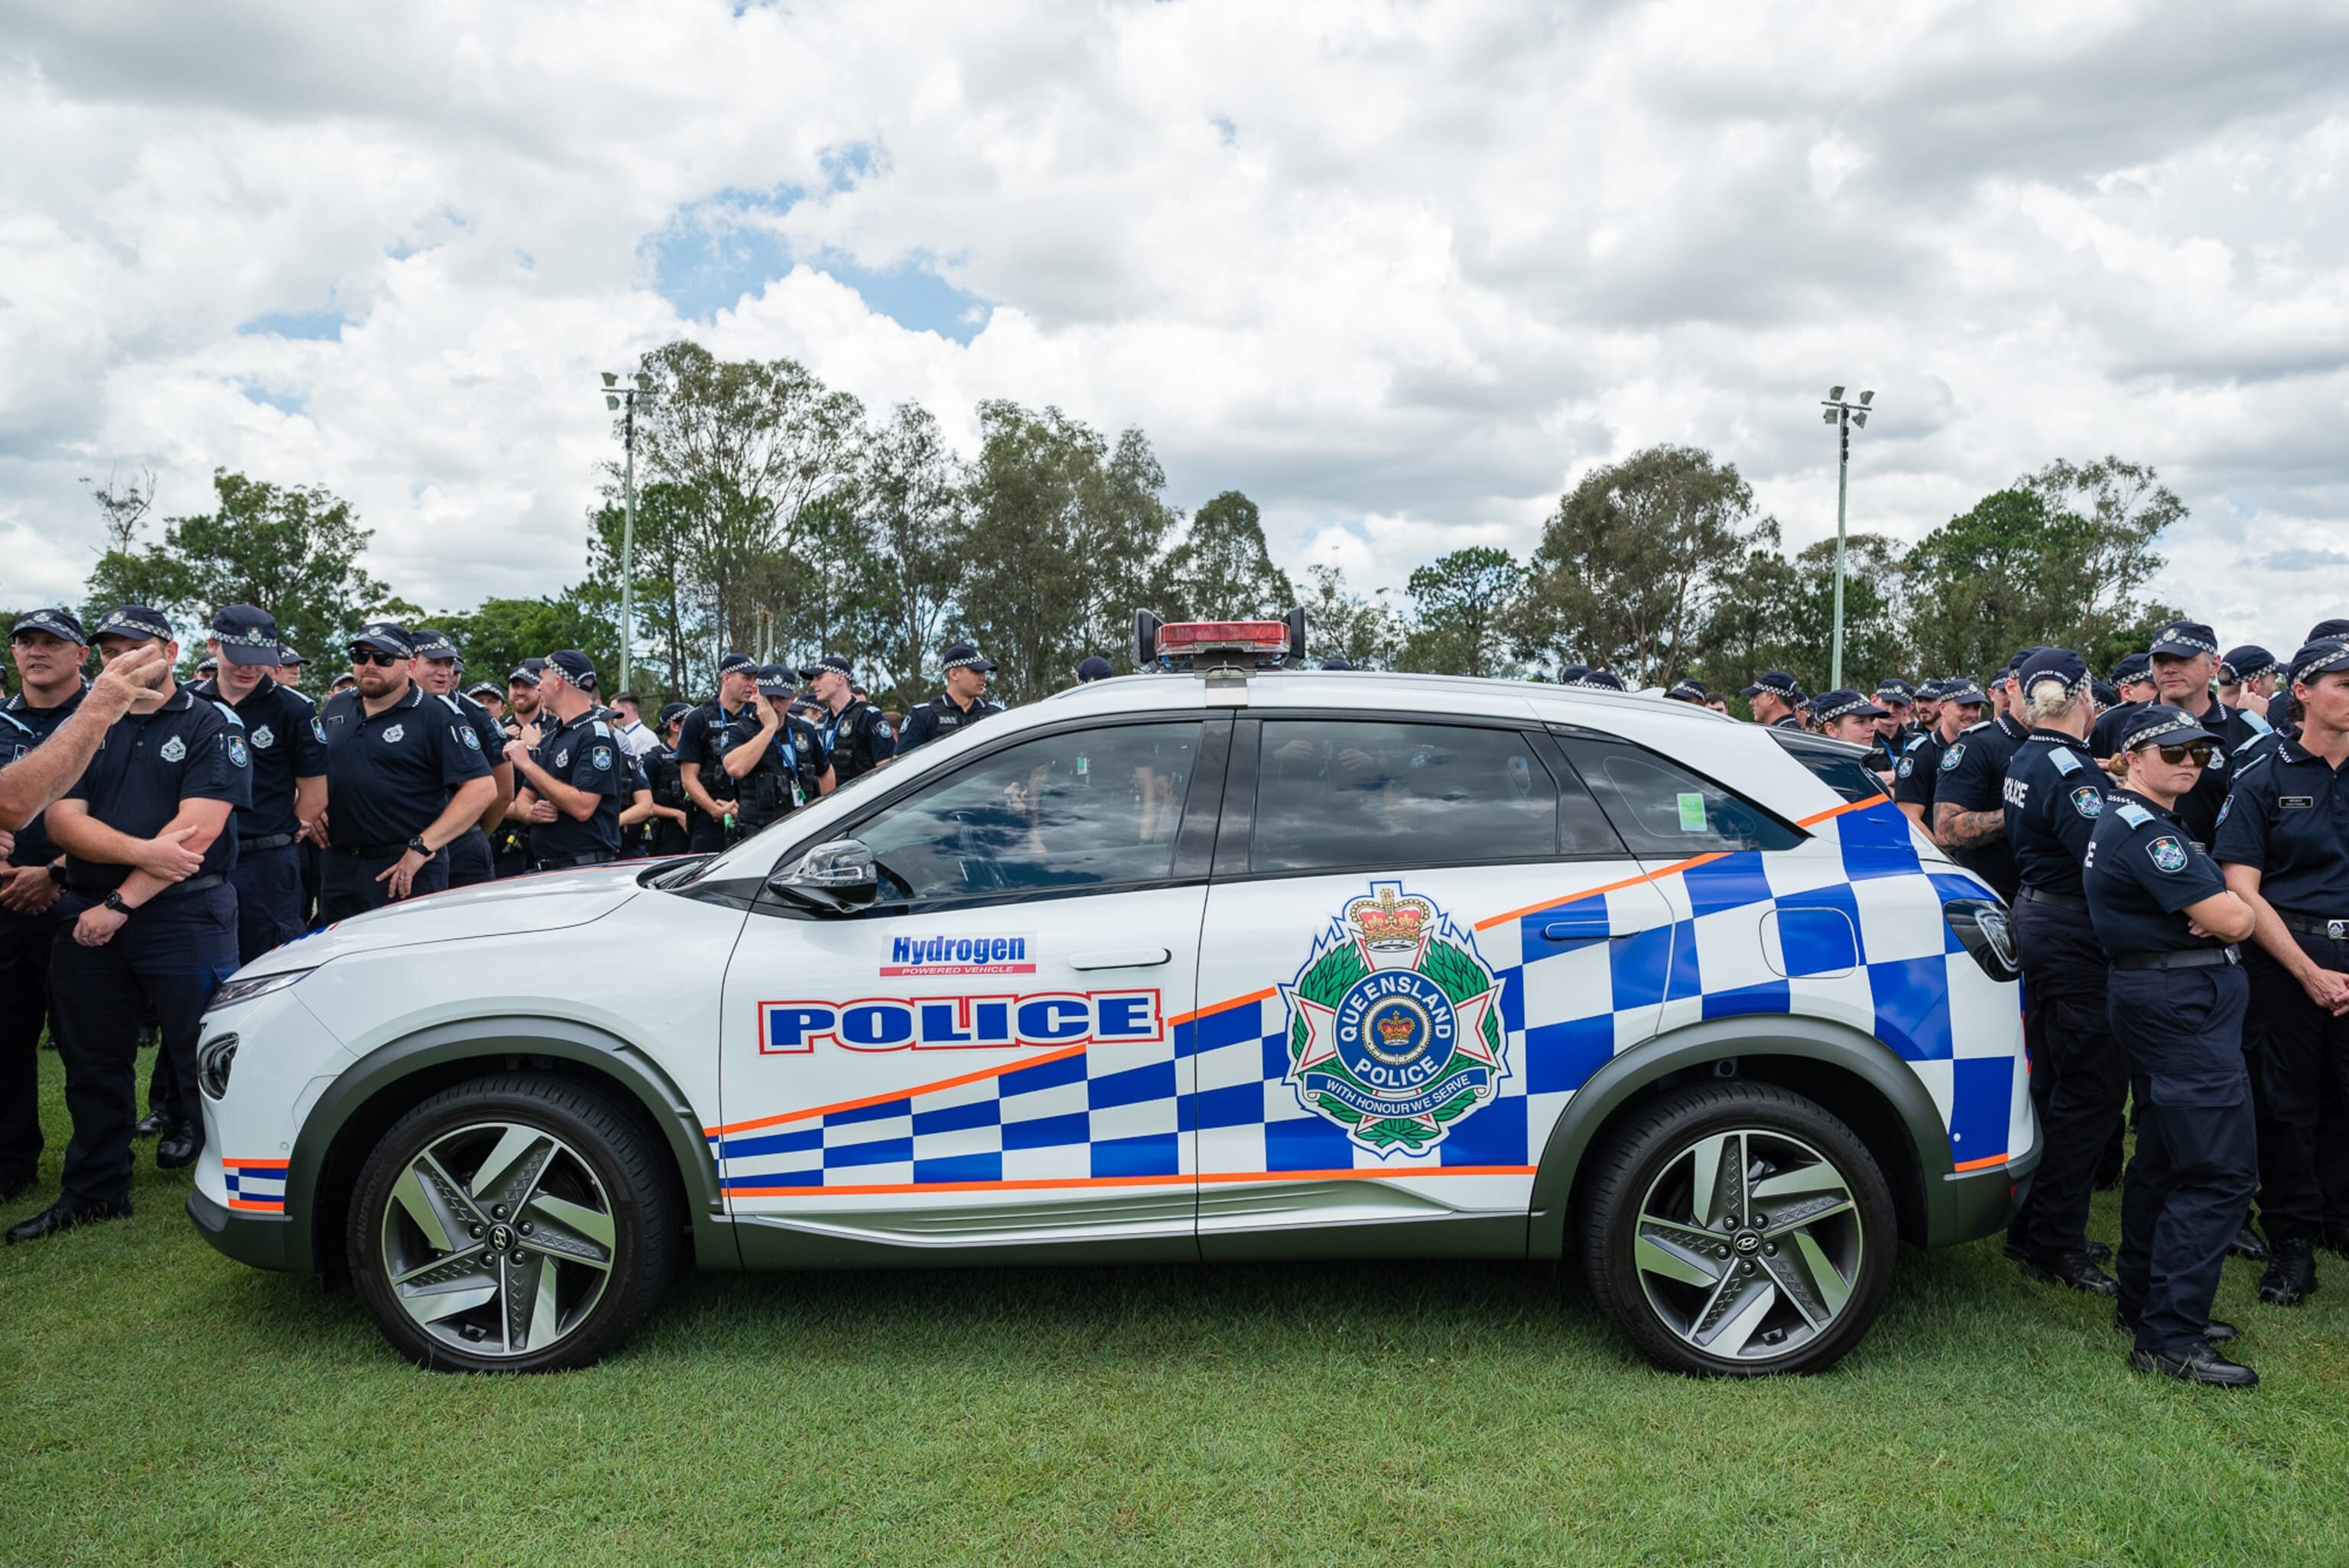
(114, 902)
(420, 847)
(57, 871)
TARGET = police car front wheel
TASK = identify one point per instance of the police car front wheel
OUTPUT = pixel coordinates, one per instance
(1737, 1229)
(512, 1223)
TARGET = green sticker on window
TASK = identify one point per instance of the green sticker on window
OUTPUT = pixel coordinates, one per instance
(1692, 812)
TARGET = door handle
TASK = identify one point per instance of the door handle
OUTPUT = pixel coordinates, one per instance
(1122, 958)
(1585, 928)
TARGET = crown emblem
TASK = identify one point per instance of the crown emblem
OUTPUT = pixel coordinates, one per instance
(1388, 921)
(1396, 1027)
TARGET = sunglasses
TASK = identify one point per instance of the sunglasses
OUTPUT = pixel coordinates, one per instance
(2179, 756)
(375, 656)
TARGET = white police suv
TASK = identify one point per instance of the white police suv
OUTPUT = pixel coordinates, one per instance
(1232, 961)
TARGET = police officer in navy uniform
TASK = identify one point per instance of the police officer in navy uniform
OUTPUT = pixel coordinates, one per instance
(775, 759)
(1776, 698)
(574, 774)
(1957, 705)
(49, 649)
(146, 929)
(665, 833)
(2177, 995)
(1969, 797)
(405, 775)
(1894, 729)
(2283, 837)
(855, 737)
(2054, 797)
(438, 669)
(288, 749)
(963, 703)
(2279, 709)
(2248, 677)
(699, 748)
(2185, 661)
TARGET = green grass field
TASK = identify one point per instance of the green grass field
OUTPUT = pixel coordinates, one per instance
(158, 1403)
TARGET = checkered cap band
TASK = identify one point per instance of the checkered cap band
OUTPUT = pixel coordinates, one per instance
(2183, 636)
(974, 661)
(1853, 705)
(2171, 721)
(2332, 653)
(134, 621)
(56, 623)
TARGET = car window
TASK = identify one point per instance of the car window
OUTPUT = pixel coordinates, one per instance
(1841, 766)
(1662, 809)
(1078, 809)
(1338, 793)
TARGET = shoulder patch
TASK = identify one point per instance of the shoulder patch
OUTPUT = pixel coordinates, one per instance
(2135, 815)
(1950, 757)
(1908, 766)
(2169, 855)
(236, 753)
(2088, 800)
(2067, 761)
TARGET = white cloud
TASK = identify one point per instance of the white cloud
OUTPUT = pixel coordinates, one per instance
(1399, 272)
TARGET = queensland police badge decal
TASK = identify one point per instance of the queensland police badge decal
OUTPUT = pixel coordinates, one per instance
(1394, 1027)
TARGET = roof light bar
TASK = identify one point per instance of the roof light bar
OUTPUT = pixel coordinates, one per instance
(1218, 649)
(1190, 636)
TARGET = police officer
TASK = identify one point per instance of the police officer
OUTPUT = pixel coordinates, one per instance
(2177, 995)
(1687, 690)
(1958, 703)
(510, 835)
(288, 749)
(775, 757)
(2185, 660)
(1776, 698)
(288, 673)
(49, 647)
(147, 929)
(2283, 837)
(2079, 1077)
(1847, 714)
(573, 773)
(405, 775)
(700, 745)
(1897, 727)
(666, 832)
(437, 669)
(2248, 677)
(1969, 797)
(1597, 680)
(491, 698)
(963, 703)
(855, 737)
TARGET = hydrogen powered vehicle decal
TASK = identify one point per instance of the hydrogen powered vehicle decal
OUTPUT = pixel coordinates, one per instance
(1394, 1030)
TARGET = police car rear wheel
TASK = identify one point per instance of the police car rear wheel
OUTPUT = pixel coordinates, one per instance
(1738, 1229)
(513, 1223)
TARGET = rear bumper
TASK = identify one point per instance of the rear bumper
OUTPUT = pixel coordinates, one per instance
(262, 1241)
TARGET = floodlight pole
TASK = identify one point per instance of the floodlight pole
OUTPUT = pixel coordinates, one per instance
(624, 399)
(1840, 415)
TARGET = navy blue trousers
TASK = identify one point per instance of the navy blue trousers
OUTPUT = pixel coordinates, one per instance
(24, 1011)
(268, 899)
(2303, 1062)
(2189, 1184)
(2079, 1077)
(348, 885)
(469, 863)
(171, 955)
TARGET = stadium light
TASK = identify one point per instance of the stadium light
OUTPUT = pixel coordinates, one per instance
(1842, 416)
(618, 397)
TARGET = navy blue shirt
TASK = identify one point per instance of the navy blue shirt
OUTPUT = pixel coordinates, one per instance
(390, 775)
(1974, 778)
(2055, 795)
(942, 716)
(794, 755)
(22, 727)
(2289, 815)
(2142, 870)
(698, 742)
(586, 755)
(856, 738)
(188, 749)
(287, 743)
(1914, 775)
(487, 731)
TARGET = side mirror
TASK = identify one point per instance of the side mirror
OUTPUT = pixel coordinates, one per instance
(833, 877)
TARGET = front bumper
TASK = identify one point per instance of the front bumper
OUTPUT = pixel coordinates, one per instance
(1968, 1205)
(260, 1241)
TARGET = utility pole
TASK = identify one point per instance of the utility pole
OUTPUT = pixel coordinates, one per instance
(623, 400)
(1842, 416)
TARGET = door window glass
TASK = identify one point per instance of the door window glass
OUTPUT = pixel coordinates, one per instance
(1338, 793)
(1080, 809)
(1662, 809)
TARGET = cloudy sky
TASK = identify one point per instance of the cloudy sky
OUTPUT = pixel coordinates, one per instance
(1400, 271)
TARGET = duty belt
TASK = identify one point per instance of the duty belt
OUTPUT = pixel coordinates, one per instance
(2314, 924)
(565, 862)
(2192, 958)
(265, 841)
(193, 884)
(373, 851)
(2060, 900)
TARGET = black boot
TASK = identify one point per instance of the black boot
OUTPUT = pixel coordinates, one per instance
(62, 1215)
(2075, 1270)
(2246, 1244)
(186, 1141)
(154, 1122)
(2290, 1276)
(2195, 1364)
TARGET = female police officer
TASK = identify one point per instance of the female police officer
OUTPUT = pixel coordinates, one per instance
(2177, 999)
(2281, 837)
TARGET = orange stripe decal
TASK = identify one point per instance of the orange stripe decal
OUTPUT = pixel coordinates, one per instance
(255, 1164)
(1984, 1164)
(1817, 817)
(1039, 1184)
(1212, 1008)
(1659, 874)
(262, 1205)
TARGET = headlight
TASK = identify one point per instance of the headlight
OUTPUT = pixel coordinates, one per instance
(236, 991)
(1982, 925)
(214, 1059)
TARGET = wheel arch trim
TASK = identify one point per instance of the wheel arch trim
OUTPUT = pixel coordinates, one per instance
(1628, 1075)
(486, 1040)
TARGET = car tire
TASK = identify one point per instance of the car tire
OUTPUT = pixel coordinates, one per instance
(1682, 1248)
(513, 1223)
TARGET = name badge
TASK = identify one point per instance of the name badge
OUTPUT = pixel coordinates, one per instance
(2296, 802)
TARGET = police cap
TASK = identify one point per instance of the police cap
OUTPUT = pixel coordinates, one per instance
(1600, 680)
(1963, 692)
(574, 666)
(135, 622)
(287, 655)
(1686, 690)
(386, 637)
(479, 687)
(2159, 724)
(2059, 665)
(247, 635)
(2106, 694)
(728, 663)
(1777, 681)
(966, 657)
(432, 642)
(526, 672)
(1892, 688)
(1093, 668)
(1844, 702)
(2186, 640)
(1570, 673)
(775, 680)
(2248, 663)
(208, 666)
(2133, 667)
(57, 623)
(2323, 629)
(2320, 657)
(672, 711)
